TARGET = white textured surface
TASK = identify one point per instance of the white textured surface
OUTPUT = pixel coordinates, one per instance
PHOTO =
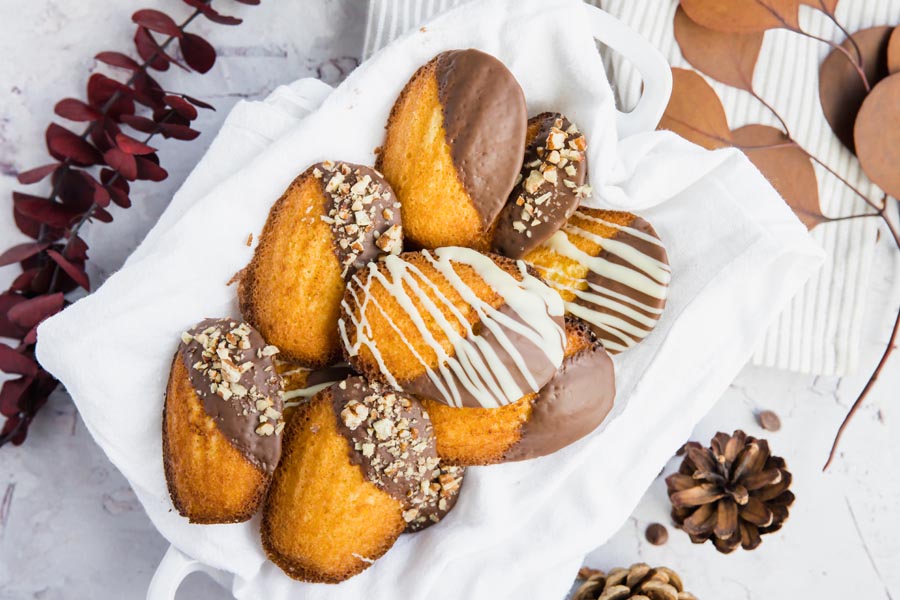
(69, 528)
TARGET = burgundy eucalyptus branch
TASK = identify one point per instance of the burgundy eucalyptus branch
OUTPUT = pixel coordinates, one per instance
(92, 170)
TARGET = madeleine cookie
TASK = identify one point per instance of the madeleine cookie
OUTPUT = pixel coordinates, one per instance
(350, 480)
(221, 422)
(333, 219)
(453, 325)
(565, 410)
(549, 188)
(453, 148)
(438, 498)
(611, 269)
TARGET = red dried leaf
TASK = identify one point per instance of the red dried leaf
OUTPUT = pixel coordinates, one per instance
(22, 284)
(28, 226)
(77, 249)
(877, 135)
(743, 16)
(197, 52)
(75, 189)
(102, 215)
(29, 313)
(74, 271)
(117, 59)
(198, 103)
(122, 162)
(841, 91)
(695, 112)
(149, 50)
(826, 6)
(168, 115)
(149, 170)
(182, 107)
(101, 90)
(64, 144)
(132, 146)
(12, 391)
(150, 92)
(101, 197)
(157, 21)
(213, 15)
(179, 132)
(16, 362)
(726, 57)
(7, 327)
(20, 252)
(249, 2)
(36, 174)
(76, 110)
(787, 167)
(142, 124)
(42, 210)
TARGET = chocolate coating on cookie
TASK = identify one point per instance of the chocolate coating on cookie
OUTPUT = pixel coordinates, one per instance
(627, 288)
(390, 435)
(363, 213)
(232, 372)
(434, 498)
(550, 187)
(484, 123)
(572, 405)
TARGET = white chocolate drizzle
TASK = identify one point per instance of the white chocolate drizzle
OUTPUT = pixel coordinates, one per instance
(625, 290)
(519, 346)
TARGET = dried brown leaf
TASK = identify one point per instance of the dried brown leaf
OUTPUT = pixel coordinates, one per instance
(841, 91)
(893, 52)
(695, 112)
(743, 16)
(877, 135)
(726, 57)
(787, 167)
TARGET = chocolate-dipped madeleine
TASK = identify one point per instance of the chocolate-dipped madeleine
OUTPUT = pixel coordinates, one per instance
(222, 422)
(356, 459)
(437, 498)
(612, 271)
(333, 219)
(453, 148)
(549, 189)
(453, 325)
(567, 408)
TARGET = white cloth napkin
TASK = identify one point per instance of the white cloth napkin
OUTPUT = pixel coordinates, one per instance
(737, 255)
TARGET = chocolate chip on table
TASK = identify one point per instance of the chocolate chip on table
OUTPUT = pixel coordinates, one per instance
(657, 534)
(768, 420)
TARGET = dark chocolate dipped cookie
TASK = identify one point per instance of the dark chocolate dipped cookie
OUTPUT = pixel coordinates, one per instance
(453, 325)
(612, 271)
(453, 148)
(549, 188)
(222, 422)
(356, 459)
(436, 500)
(569, 407)
(332, 220)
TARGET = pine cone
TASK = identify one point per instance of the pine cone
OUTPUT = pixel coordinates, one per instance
(639, 582)
(731, 493)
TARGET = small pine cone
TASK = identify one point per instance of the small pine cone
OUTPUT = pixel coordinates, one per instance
(638, 582)
(731, 493)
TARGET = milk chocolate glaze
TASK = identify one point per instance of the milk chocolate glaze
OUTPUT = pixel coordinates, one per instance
(484, 122)
(236, 412)
(389, 433)
(572, 405)
(361, 208)
(540, 204)
(534, 361)
(622, 286)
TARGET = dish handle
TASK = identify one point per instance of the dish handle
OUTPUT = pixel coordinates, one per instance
(172, 570)
(649, 62)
